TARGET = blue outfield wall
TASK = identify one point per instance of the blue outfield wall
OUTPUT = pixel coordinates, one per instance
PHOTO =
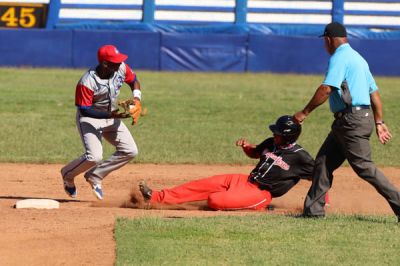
(239, 52)
(143, 48)
(204, 52)
(285, 54)
(37, 48)
(381, 55)
(76, 48)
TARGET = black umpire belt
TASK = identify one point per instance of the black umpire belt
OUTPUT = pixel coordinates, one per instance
(352, 109)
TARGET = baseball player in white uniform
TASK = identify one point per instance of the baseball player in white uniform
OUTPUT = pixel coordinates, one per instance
(97, 117)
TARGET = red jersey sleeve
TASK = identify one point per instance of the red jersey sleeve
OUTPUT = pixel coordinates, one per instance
(130, 76)
(83, 96)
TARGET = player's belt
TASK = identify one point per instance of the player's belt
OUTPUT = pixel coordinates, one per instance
(351, 109)
(252, 180)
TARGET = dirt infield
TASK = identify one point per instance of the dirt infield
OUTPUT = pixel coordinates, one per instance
(81, 231)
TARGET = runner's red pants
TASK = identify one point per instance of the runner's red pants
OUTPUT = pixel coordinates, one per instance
(222, 192)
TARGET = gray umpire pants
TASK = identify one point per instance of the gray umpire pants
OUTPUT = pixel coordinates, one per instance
(92, 131)
(348, 139)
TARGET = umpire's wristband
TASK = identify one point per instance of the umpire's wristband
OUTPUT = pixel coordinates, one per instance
(379, 122)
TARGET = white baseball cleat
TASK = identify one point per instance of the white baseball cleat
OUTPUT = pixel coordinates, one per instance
(96, 189)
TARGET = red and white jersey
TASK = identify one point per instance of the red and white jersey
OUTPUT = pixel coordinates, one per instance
(102, 94)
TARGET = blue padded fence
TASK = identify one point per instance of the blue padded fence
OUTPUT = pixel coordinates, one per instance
(143, 48)
(204, 52)
(237, 52)
(286, 54)
(37, 48)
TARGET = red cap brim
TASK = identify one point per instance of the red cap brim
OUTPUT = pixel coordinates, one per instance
(118, 58)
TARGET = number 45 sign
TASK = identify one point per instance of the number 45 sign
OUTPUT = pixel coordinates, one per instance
(13, 15)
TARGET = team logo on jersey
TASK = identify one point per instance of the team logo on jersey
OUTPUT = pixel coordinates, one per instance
(118, 81)
(278, 161)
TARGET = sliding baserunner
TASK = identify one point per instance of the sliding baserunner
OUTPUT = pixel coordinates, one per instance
(282, 163)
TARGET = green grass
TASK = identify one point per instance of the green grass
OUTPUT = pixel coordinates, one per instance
(196, 118)
(192, 117)
(258, 240)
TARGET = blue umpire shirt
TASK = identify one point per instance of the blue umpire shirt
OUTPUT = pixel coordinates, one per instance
(347, 65)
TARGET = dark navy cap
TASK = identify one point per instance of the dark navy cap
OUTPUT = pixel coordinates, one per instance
(334, 29)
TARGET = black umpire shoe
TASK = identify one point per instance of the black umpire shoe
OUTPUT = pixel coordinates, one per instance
(145, 190)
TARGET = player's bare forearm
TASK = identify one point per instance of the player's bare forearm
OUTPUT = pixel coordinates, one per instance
(248, 149)
(382, 131)
(320, 96)
(376, 105)
(135, 85)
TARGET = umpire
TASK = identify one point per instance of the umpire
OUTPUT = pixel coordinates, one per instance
(352, 92)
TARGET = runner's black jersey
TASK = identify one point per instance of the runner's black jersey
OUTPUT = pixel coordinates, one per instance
(279, 169)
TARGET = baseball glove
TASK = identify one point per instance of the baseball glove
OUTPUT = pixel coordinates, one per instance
(133, 107)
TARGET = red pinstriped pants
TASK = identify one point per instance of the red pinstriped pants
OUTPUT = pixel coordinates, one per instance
(222, 192)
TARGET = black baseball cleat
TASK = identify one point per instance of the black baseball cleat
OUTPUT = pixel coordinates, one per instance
(270, 207)
(145, 190)
(312, 216)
